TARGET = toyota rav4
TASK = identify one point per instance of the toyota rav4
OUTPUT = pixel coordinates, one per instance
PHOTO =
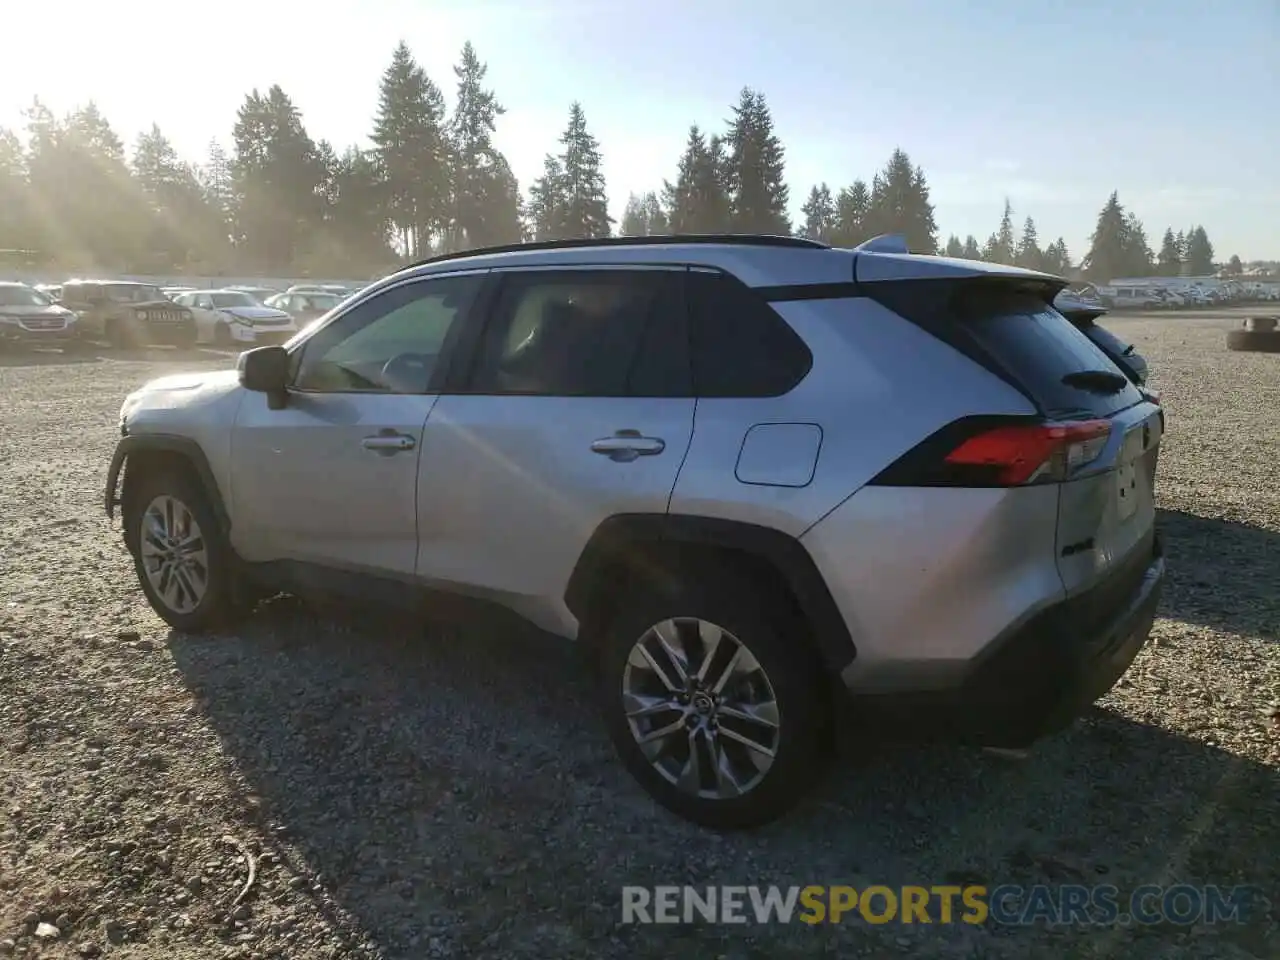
(759, 479)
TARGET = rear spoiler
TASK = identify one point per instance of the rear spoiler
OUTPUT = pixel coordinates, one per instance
(886, 259)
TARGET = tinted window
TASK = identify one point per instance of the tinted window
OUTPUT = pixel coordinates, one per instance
(741, 347)
(1039, 347)
(601, 333)
(388, 344)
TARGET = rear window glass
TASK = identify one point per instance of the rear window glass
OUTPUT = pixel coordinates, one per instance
(1038, 347)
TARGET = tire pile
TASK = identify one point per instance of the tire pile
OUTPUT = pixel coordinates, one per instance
(1259, 335)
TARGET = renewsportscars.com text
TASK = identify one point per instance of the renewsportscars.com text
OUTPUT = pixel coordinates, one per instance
(1007, 905)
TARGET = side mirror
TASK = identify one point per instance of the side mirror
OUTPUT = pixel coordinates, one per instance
(266, 370)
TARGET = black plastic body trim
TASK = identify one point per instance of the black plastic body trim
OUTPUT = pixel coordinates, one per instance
(742, 239)
(811, 291)
(168, 443)
(621, 539)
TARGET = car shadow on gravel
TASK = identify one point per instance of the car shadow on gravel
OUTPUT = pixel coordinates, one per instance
(1222, 574)
(451, 791)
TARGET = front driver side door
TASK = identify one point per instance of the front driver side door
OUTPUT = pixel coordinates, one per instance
(331, 479)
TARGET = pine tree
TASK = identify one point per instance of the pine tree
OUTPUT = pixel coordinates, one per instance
(900, 204)
(1137, 251)
(1001, 246)
(655, 217)
(1181, 240)
(1029, 254)
(755, 169)
(18, 222)
(819, 214)
(1199, 259)
(485, 195)
(853, 211)
(412, 151)
(92, 214)
(548, 201)
(586, 208)
(633, 222)
(698, 202)
(1234, 267)
(1106, 259)
(1169, 259)
(1056, 258)
(971, 249)
(186, 230)
(276, 177)
(954, 247)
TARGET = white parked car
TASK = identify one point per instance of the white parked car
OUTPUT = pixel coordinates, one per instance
(232, 317)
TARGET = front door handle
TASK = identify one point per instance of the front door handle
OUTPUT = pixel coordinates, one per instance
(387, 442)
(628, 445)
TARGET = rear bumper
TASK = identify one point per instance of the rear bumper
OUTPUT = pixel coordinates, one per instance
(1041, 677)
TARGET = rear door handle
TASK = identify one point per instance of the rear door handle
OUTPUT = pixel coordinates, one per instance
(627, 445)
(387, 442)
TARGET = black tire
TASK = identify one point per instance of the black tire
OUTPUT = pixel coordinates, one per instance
(223, 600)
(759, 618)
(1253, 341)
(187, 338)
(121, 333)
(222, 338)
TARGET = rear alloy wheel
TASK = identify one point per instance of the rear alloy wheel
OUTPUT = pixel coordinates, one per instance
(701, 708)
(713, 701)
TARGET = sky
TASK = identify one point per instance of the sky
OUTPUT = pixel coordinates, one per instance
(1053, 104)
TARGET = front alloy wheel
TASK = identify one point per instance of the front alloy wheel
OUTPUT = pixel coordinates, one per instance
(701, 708)
(174, 555)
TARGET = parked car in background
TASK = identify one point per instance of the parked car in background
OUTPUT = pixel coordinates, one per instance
(305, 307)
(128, 314)
(30, 318)
(261, 294)
(233, 317)
(174, 292)
(1084, 315)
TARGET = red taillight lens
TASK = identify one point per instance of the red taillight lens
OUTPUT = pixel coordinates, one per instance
(1012, 455)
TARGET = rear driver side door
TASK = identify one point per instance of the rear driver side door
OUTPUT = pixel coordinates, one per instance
(331, 479)
(578, 406)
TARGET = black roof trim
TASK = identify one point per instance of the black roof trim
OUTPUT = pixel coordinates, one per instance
(738, 239)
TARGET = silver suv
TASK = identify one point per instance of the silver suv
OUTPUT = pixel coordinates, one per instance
(771, 486)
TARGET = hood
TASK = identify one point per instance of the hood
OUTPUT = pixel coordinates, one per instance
(257, 313)
(31, 310)
(182, 390)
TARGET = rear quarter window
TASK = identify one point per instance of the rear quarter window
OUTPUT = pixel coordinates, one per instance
(1038, 347)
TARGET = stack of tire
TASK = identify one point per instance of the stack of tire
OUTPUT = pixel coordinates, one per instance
(1259, 335)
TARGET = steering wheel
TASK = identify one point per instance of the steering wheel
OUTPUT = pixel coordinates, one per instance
(409, 372)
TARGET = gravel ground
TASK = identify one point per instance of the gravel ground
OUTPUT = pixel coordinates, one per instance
(404, 792)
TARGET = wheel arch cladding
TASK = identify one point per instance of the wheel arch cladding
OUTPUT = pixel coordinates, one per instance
(143, 454)
(622, 542)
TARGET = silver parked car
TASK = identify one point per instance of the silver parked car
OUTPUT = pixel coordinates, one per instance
(762, 480)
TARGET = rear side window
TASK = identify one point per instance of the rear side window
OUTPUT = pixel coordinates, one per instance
(1018, 335)
(586, 333)
(1041, 349)
(741, 347)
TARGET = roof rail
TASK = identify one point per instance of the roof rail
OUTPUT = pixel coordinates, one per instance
(740, 239)
(884, 243)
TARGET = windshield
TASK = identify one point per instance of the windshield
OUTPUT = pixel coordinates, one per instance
(22, 297)
(133, 293)
(320, 301)
(233, 298)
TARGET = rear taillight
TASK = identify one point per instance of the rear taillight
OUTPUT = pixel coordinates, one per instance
(1012, 456)
(999, 452)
